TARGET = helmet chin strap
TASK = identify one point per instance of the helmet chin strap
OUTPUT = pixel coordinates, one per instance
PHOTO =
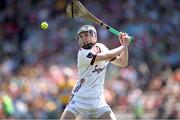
(88, 46)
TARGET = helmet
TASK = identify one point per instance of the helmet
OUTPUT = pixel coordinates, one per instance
(85, 28)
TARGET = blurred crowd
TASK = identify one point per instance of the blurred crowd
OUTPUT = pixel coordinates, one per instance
(38, 67)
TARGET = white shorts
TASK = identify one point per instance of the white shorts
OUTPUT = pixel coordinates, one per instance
(86, 113)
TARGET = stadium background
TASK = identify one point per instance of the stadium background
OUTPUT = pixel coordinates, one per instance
(35, 63)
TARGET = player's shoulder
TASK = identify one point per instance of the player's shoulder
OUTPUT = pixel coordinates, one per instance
(101, 46)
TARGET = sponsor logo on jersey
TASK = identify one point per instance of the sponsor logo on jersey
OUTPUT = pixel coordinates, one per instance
(98, 70)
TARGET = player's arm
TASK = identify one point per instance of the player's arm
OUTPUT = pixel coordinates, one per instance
(119, 55)
(122, 59)
(108, 55)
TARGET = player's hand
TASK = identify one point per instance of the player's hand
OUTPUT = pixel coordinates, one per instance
(124, 39)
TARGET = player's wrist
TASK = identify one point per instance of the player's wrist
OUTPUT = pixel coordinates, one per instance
(125, 46)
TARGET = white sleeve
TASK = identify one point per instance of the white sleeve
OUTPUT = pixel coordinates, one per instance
(86, 57)
(105, 49)
(102, 47)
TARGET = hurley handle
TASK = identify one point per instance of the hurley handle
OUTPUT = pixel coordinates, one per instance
(112, 30)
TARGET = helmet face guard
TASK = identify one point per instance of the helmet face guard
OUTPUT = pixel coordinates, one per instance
(86, 28)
